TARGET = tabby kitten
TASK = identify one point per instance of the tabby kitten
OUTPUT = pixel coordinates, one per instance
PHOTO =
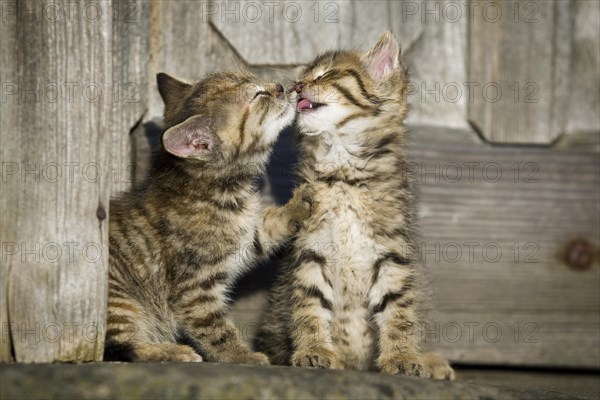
(178, 242)
(348, 296)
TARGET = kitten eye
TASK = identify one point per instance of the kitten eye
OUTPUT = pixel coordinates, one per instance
(323, 75)
(260, 93)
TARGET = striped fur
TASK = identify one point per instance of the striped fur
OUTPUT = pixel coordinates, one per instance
(348, 297)
(178, 241)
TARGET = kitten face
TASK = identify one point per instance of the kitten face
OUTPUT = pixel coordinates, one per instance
(340, 91)
(225, 116)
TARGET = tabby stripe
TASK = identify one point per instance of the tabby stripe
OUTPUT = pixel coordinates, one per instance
(117, 319)
(399, 231)
(123, 306)
(215, 279)
(208, 319)
(361, 86)
(331, 180)
(163, 224)
(198, 300)
(243, 129)
(307, 256)
(389, 297)
(258, 147)
(350, 97)
(141, 233)
(350, 118)
(258, 249)
(115, 331)
(386, 140)
(377, 153)
(132, 248)
(234, 181)
(314, 292)
(226, 205)
(311, 256)
(196, 284)
(262, 117)
(228, 335)
(391, 256)
(121, 259)
(118, 293)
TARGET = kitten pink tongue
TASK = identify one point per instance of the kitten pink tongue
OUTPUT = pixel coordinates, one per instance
(303, 105)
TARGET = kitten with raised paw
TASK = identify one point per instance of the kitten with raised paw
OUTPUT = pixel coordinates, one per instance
(348, 296)
(179, 240)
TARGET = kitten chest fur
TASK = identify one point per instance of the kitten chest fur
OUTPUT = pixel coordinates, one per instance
(341, 233)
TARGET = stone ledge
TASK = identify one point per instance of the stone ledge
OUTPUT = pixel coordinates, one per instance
(222, 381)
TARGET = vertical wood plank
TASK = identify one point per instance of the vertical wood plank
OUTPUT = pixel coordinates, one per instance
(433, 35)
(8, 118)
(183, 44)
(584, 90)
(74, 95)
(519, 69)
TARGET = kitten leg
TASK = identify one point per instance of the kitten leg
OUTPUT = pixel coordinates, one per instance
(391, 300)
(134, 335)
(279, 223)
(204, 313)
(438, 366)
(311, 314)
(151, 352)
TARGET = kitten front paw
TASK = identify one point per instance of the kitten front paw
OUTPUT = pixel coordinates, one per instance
(251, 358)
(165, 352)
(411, 365)
(299, 208)
(438, 366)
(313, 358)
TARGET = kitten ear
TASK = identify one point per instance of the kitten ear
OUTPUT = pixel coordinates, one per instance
(190, 139)
(384, 57)
(170, 89)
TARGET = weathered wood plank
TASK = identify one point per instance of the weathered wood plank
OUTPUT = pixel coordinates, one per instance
(8, 120)
(219, 381)
(433, 35)
(291, 33)
(546, 312)
(288, 33)
(519, 66)
(183, 44)
(584, 89)
(495, 248)
(75, 93)
(583, 384)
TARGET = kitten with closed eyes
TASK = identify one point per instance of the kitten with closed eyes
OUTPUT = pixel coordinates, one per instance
(347, 297)
(175, 241)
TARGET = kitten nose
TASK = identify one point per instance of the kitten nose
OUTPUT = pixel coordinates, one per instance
(279, 88)
(298, 87)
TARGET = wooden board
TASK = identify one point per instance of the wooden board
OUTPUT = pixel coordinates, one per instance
(75, 93)
(495, 245)
(519, 56)
(183, 44)
(525, 307)
(584, 90)
(553, 383)
(287, 34)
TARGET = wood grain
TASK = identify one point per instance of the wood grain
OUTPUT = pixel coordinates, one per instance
(494, 249)
(183, 44)
(434, 46)
(75, 146)
(584, 90)
(519, 56)
(543, 312)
